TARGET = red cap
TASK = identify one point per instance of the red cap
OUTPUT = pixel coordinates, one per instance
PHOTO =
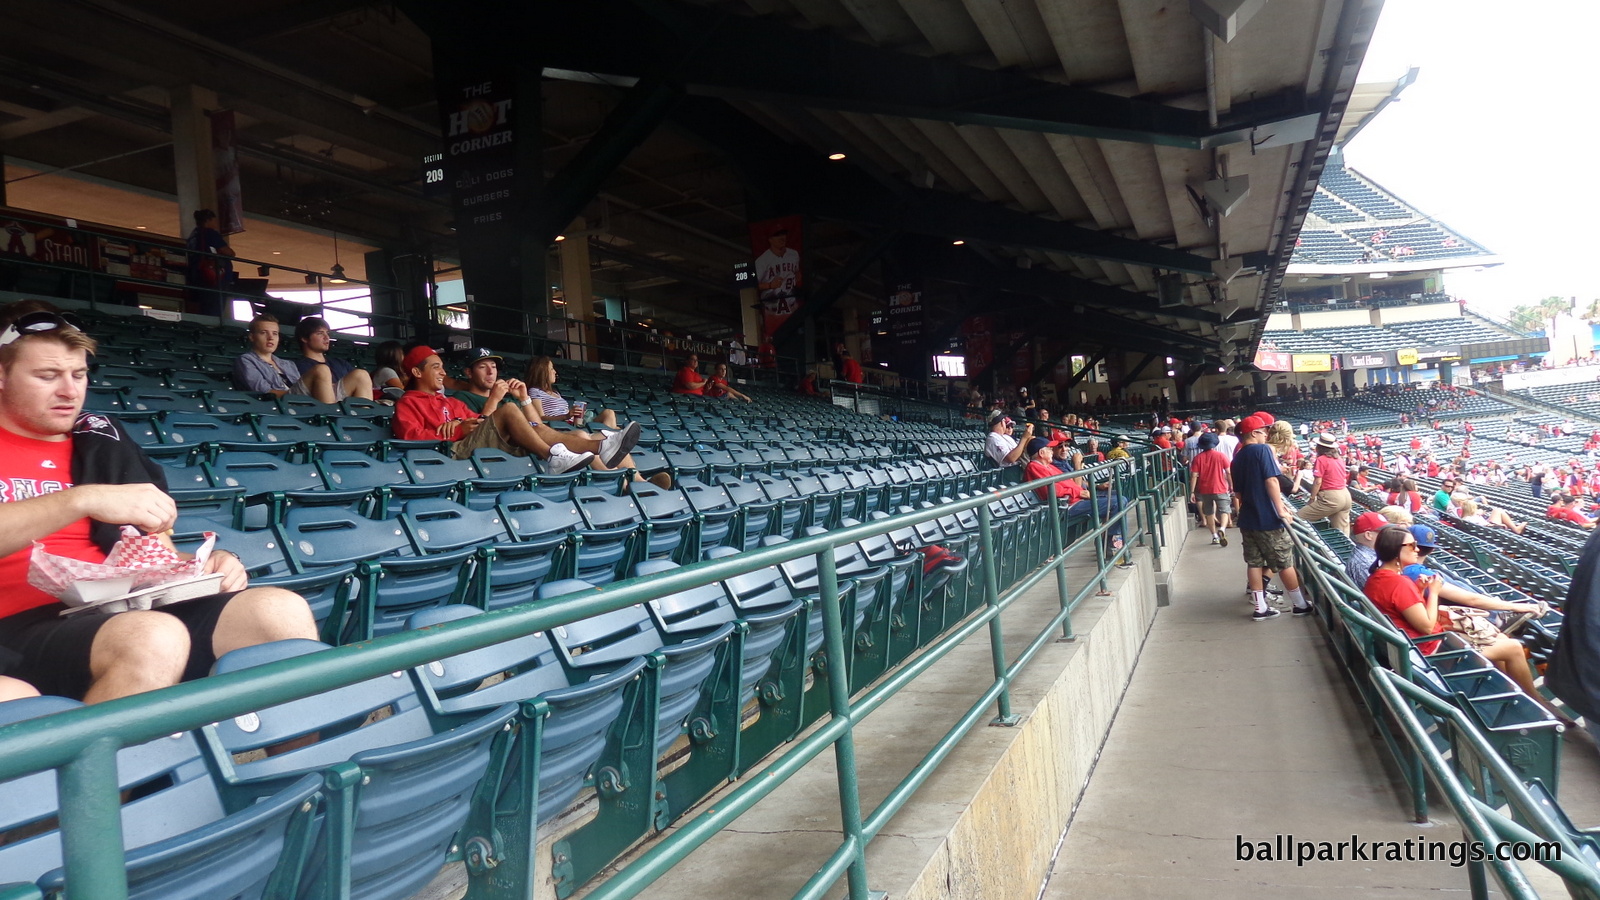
(1368, 521)
(1265, 417)
(1252, 423)
(416, 358)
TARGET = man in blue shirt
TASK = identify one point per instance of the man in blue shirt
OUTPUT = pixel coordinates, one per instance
(1263, 520)
(324, 377)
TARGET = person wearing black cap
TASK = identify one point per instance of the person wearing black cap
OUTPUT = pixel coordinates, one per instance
(1001, 446)
(1075, 498)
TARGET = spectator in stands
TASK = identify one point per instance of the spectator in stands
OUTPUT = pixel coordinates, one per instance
(425, 413)
(688, 380)
(1455, 592)
(1403, 493)
(1002, 448)
(1397, 515)
(808, 385)
(259, 369)
(388, 380)
(1211, 488)
(1263, 520)
(1330, 493)
(1442, 500)
(852, 369)
(717, 385)
(1412, 604)
(1074, 497)
(1119, 450)
(1574, 671)
(1564, 508)
(1363, 532)
(553, 406)
(43, 379)
(1227, 440)
(205, 271)
(1280, 437)
(324, 377)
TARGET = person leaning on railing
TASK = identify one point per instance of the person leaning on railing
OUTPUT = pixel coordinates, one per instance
(75, 480)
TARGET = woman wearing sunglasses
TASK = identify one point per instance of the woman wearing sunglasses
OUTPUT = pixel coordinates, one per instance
(1413, 607)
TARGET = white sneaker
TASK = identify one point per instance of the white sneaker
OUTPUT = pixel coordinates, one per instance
(563, 460)
(617, 444)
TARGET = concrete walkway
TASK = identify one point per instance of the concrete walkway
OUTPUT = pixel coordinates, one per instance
(1232, 727)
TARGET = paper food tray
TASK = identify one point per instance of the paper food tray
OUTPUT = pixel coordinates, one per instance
(151, 597)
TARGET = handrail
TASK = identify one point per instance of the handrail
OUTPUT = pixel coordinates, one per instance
(1397, 692)
(82, 742)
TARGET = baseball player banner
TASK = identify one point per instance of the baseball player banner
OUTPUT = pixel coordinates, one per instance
(225, 162)
(776, 245)
(979, 342)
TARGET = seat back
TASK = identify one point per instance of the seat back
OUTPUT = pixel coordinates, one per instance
(436, 525)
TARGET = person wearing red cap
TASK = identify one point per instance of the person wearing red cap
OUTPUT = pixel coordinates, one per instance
(1363, 532)
(1263, 520)
(426, 413)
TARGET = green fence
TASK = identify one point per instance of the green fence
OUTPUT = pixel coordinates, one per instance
(1441, 741)
(82, 744)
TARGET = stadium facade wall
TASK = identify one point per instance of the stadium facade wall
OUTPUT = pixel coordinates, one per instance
(1392, 314)
(1002, 844)
(1343, 318)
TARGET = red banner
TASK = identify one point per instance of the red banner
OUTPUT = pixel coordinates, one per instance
(776, 245)
(979, 331)
(1274, 361)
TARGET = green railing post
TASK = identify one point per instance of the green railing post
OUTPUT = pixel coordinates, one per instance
(1100, 540)
(1058, 544)
(844, 749)
(991, 598)
(91, 823)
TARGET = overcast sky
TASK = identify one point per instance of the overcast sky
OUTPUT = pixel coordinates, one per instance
(1494, 139)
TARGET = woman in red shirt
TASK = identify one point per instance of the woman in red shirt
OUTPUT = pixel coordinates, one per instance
(1330, 491)
(1403, 493)
(1413, 607)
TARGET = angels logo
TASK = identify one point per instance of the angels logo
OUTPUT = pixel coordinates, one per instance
(94, 423)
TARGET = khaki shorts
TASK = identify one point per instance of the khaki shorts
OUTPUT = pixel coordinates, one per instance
(485, 435)
(1212, 504)
(1268, 549)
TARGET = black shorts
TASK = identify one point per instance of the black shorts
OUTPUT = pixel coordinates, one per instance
(51, 651)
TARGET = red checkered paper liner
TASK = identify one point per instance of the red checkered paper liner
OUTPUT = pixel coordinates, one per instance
(144, 557)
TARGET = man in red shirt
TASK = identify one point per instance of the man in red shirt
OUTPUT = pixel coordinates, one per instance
(69, 481)
(426, 413)
(1564, 508)
(1211, 488)
(852, 370)
(688, 380)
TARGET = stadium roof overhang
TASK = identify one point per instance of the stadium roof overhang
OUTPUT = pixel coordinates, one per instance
(1067, 143)
(1393, 267)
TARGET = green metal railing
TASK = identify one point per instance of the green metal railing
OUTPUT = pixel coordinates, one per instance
(82, 744)
(1378, 659)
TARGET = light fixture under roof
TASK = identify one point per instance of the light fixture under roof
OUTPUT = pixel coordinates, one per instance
(836, 156)
(560, 237)
(142, 227)
(336, 275)
(957, 242)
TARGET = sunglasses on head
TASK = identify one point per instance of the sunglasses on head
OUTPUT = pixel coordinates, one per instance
(34, 323)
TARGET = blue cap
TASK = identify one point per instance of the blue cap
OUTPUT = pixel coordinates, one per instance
(1424, 536)
(1208, 441)
(1416, 570)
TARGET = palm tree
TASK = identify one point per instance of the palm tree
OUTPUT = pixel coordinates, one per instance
(1527, 318)
(1592, 313)
(1550, 307)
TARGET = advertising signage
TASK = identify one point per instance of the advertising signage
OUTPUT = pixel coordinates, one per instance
(1382, 359)
(1274, 361)
(1313, 362)
(1406, 356)
(1437, 353)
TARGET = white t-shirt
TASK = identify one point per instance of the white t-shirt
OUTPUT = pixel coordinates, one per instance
(1228, 443)
(998, 446)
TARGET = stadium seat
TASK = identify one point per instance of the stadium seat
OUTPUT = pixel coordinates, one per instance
(186, 838)
(407, 781)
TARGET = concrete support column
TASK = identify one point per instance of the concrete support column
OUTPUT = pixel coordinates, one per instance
(192, 159)
(750, 318)
(577, 285)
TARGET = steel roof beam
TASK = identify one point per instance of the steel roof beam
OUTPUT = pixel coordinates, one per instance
(788, 179)
(718, 54)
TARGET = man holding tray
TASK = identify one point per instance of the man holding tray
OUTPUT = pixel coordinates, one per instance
(70, 481)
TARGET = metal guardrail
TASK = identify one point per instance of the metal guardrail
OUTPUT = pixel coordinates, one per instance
(82, 744)
(1356, 631)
